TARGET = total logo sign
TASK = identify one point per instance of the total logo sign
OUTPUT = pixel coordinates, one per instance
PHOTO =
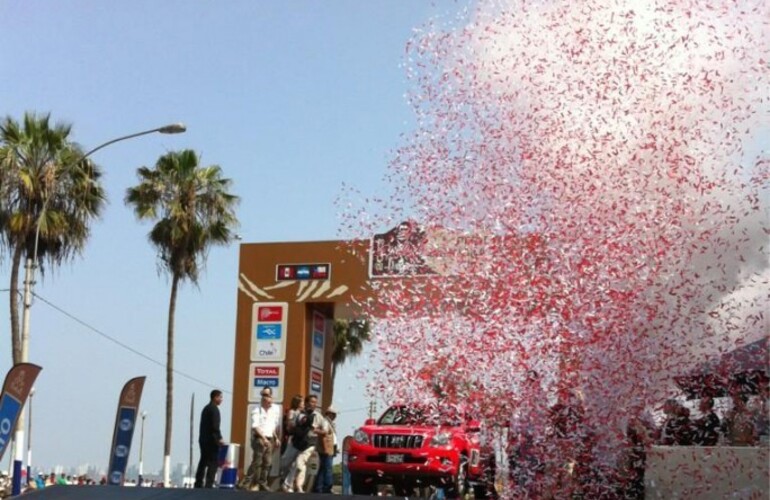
(262, 375)
(268, 327)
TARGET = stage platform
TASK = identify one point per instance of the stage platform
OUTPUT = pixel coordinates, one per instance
(134, 493)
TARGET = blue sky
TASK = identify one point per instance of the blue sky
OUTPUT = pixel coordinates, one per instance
(291, 98)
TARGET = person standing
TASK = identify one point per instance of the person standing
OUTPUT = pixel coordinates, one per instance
(527, 432)
(290, 453)
(305, 439)
(738, 424)
(209, 439)
(706, 428)
(265, 427)
(677, 428)
(327, 448)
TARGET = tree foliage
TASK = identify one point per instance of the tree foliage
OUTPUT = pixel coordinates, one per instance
(349, 339)
(45, 183)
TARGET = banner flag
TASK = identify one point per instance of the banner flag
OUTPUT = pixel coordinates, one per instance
(125, 421)
(18, 382)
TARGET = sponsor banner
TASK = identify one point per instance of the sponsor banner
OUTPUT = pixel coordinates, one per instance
(268, 331)
(263, 375)
(316, 383)
(319, 323)
(18, 383)
(270, 313)
(318, 338)
(303, 272)
(125, 422)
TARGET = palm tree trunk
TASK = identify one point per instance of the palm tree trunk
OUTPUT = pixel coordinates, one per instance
(14, 300)
(169, 381)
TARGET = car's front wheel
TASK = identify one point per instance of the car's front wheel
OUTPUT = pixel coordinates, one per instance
(362, 485)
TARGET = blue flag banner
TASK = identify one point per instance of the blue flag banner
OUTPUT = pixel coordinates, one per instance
(125, 421)
(18, 383)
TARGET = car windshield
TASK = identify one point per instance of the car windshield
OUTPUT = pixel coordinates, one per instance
(403, 415)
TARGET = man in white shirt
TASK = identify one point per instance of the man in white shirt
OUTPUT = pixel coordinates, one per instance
(265, 425)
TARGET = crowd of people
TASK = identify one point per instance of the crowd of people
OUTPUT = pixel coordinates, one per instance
(740, 426)
(554, 450)
(303, 431)
(41, 480)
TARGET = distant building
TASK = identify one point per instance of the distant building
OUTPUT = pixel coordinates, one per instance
(178, 474)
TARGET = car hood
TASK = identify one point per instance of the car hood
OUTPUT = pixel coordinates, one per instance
(408, 430)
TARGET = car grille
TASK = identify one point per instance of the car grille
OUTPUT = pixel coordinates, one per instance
(397, 441)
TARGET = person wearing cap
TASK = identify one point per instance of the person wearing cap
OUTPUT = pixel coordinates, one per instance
(265, 425)
(327, 447)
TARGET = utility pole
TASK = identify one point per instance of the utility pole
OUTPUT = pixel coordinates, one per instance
(192, 434)
(141, 451)
(372, 408)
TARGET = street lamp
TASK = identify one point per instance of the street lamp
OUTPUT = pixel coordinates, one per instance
(29, 282)
(29, 437)
(141, 450)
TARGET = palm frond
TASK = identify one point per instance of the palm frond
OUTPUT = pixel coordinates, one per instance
(192, 209)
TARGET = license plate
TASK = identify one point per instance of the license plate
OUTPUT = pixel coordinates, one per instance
(394, 459)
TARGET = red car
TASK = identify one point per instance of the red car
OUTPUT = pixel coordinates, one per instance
(412, 447)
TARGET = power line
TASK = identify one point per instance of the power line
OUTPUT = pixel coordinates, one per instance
(352, 410)
(121, 344)
(141, 354)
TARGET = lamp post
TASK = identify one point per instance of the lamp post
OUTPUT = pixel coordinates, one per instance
(29, 282)
(141, 450)
(29, 437)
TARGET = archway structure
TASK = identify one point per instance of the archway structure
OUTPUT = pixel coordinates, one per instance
(288, 296)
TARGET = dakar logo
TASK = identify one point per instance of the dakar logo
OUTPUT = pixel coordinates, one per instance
(19, 383)
(131, 394)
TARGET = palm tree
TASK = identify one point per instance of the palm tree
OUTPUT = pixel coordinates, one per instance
(43, 182)
(349, 339)
(193, 210)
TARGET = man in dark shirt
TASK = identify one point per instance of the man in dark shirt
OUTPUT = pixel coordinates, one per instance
(677, 428)
(209, 439)
(707, 427)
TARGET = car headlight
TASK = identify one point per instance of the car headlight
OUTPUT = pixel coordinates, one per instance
(440, 439)
(361, 437)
